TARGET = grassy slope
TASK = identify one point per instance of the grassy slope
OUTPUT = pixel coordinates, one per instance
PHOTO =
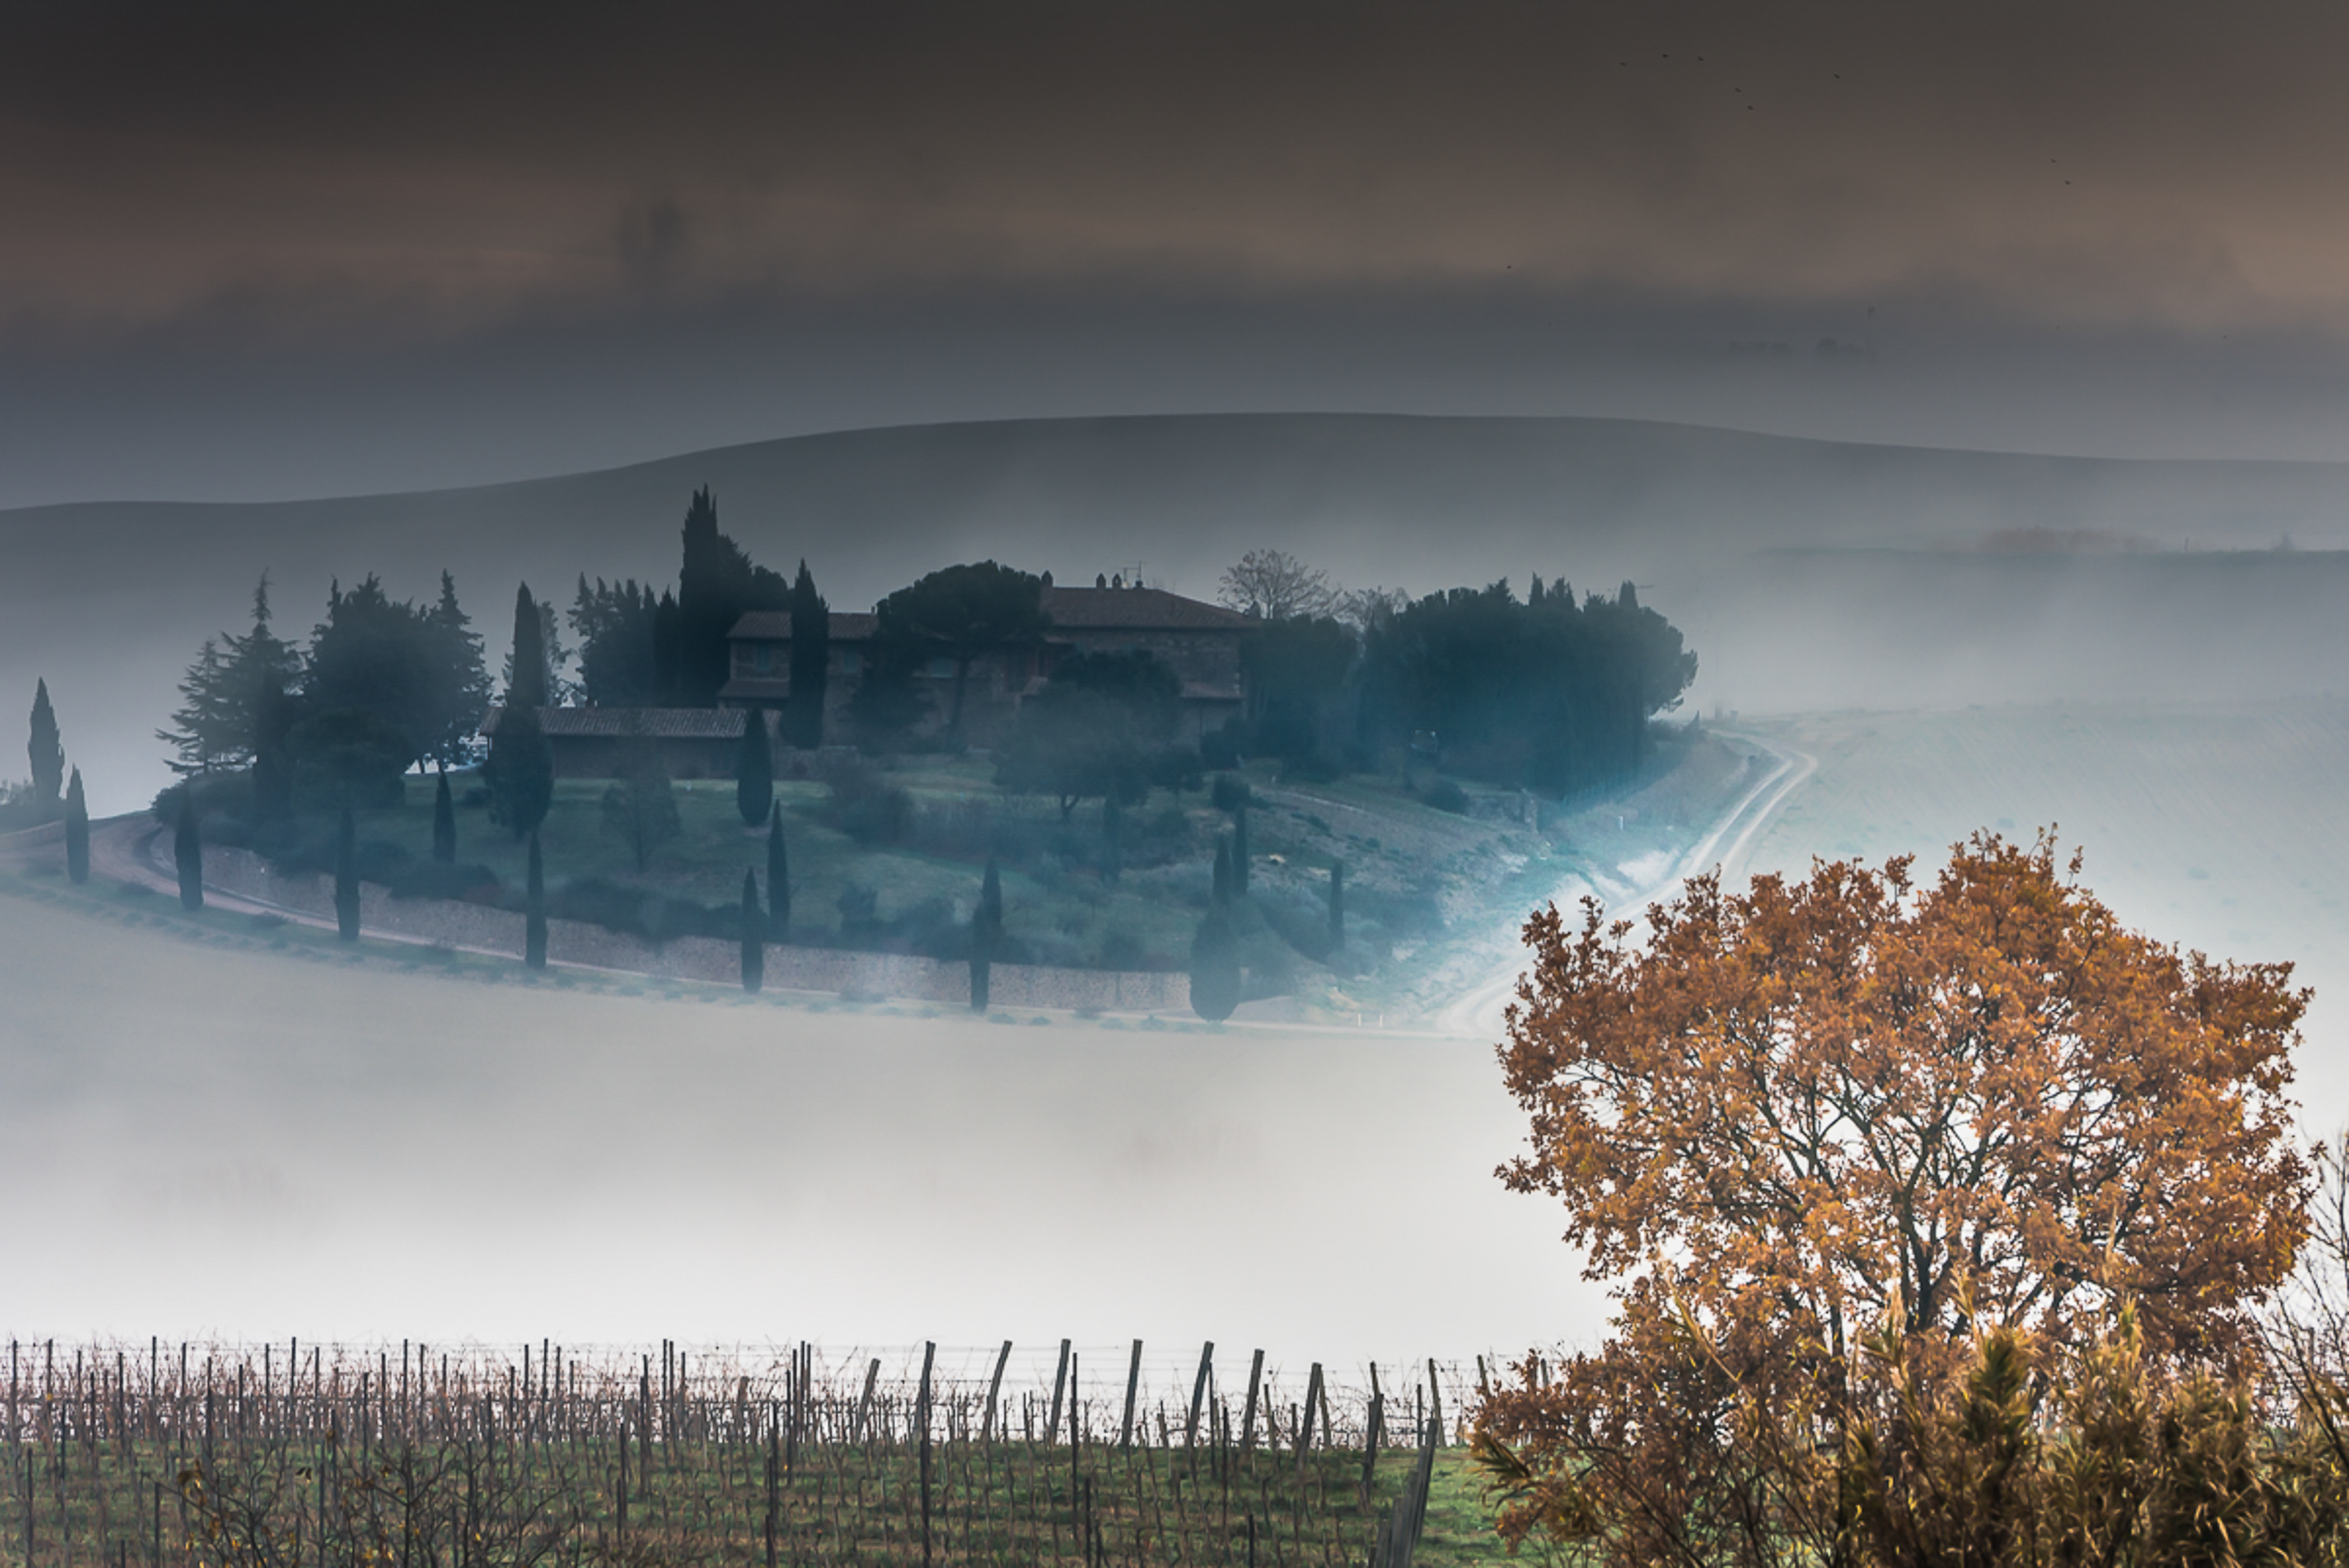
(1431, 895)
(2215, 827)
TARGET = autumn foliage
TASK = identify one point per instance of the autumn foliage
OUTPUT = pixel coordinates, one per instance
(1832, 1137)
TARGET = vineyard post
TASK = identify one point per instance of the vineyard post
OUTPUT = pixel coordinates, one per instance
(1247, 1420)
(994, 1387)
(1198, 1394)
(1305, 1426)
(774, 1477)
(922, 1417)
(1434, 1399)
(1133, 1384)
(865, 1405)
(1060, 1381)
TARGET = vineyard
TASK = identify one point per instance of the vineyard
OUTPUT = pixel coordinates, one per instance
(288, 1456)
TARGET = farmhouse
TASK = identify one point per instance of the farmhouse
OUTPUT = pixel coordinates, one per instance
(1200, 642)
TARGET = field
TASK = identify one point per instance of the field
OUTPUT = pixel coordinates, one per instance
(2215, 827)
(164, 1455)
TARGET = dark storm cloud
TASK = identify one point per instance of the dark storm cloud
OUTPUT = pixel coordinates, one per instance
(2120, 165)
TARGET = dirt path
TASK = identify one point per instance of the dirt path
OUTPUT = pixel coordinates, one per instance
(1478, 1012)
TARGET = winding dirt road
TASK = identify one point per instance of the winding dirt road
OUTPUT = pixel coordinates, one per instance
(1478, 1012)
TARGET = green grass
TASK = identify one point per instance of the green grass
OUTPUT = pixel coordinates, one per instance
(242, 1490)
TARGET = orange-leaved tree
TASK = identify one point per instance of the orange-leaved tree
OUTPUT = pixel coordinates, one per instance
(1793, 1118)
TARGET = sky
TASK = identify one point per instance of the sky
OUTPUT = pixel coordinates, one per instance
(262, 250)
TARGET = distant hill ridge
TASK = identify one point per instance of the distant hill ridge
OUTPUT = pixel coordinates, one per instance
(111, 599)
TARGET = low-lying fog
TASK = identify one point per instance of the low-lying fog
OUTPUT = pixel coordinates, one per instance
(258, 1146)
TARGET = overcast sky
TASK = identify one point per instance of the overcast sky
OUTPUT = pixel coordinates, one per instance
(278, 250)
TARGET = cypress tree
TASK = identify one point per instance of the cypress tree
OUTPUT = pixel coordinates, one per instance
(1337, 908)
(986, 934)
(754, 934)
(1113, 837)
(1215, 968)
(1223, 883)
(346, 878)
(754, 771)
(444, 822)
(1239, 852)
(811, 662)
(667, 639)
(533, 919)
(49, 754)
(77, 831)
(520, 771)
(778, 878)
(526, 681)
(188, 850)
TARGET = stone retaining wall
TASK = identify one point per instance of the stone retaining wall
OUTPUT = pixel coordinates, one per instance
(846, 973)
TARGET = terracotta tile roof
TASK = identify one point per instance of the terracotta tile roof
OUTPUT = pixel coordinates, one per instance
(775, 625)
(613, 723)
(1076, 610)
(1138, 609)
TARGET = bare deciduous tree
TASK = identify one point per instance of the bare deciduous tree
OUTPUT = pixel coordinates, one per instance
(1273, 585)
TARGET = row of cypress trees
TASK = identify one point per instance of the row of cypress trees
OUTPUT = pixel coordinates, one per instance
(57, 791)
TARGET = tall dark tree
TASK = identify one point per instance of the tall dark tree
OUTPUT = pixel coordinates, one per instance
(1550, 696)
(49, 754)
(457, 688)
(811, 663)
(1112, 862)
(1337, 907)
(1216, 967)
(754, 770)
(1240, 851)
(388, 660)
(1223, 877)
(533, 917)
(233, 696)
(669, 657)
(754, 934)
(618, 630)
(779, 876)
(527, 676)
(346, 877)
(716, 583)
(444, 824)
(963, 612)
(77, 831)
(188, 852)
(520, 770)
(1297, 672)
(986, 935)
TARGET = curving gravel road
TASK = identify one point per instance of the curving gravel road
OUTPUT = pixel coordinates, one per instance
(1478, 1013)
